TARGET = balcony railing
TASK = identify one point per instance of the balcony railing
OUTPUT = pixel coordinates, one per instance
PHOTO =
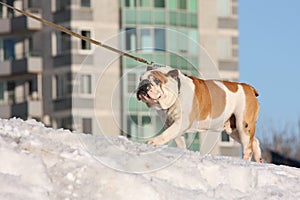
(21, 63)
(11, 23)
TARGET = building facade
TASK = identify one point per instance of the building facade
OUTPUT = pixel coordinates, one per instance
(69, 83)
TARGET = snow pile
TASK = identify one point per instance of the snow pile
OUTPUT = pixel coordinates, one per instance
(43, 163)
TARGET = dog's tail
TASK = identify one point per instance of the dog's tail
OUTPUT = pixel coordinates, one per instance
(255, 92)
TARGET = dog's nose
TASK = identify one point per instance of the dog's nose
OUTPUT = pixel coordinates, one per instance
(143, 88)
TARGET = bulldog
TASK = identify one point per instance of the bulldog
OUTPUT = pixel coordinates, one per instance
(189, 104)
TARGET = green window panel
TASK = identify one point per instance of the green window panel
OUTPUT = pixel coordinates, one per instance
(131, 39)
(143, 107)
(193, 41)
(132, 129)
(160, 58)
(182, 62)
(134, 105)
(160, 39)
(183, 40)
(172, 4)
(182, 19)
(130, 3)
(172, 18)
(131, 82)
(192, 66)
(182, 4)
(193, 5)
(172, 38)
(159, 3)
(173, 60)
(193, 141)
(130, 16)
(145, 3)
(193, 18)
(193, 62)
(159, 17)
(146, 40)
(129, 63)
(145, 17)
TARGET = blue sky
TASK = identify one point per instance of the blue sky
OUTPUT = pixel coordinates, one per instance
(270, 57)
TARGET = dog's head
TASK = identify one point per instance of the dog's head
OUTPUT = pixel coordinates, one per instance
(158, 88)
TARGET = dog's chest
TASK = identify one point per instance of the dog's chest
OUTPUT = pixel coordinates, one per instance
(173, 113)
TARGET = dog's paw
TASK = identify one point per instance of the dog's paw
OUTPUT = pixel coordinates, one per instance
(157, 141)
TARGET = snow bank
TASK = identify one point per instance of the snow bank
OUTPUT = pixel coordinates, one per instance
(43, 163)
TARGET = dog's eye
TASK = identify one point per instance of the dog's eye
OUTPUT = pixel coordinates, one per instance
(156, 81)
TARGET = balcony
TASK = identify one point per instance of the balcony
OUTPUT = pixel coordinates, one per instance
(31, 107)
(30, 64)
(22, 110)
(20, 24)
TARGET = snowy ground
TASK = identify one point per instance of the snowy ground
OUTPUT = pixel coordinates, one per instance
(43, 163)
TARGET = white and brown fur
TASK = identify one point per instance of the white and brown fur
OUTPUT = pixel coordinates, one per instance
(201, 105)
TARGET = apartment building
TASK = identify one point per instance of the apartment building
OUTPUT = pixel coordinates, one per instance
(65, 82)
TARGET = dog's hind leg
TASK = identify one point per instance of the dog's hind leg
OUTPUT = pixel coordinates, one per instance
(246, 124)
(245, 135)
(256, 150)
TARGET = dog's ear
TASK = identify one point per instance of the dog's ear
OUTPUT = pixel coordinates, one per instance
(173, 73)
(149, 68)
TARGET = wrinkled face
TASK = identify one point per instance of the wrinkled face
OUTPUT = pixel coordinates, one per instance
(158, 88)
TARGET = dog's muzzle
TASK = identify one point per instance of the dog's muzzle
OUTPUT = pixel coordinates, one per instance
(143, 89)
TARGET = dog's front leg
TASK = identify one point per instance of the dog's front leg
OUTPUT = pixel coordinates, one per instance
(169, 134)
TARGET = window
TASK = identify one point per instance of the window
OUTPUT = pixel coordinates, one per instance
(225, 47)
(159, 16)
(159, 3)
(85, 3)
(6, 12)
(193, 141)
(61, 43)
(193, 41)
(65, 122)
(130, 39)
(182, 4)
(1, 11)
(85, 84)
(87, 125)
(145, 16)
(1, 50)
(130, 3)
(84, 44)
(9, 49)
(131, 82)
(172, 4)
(61, 4)
(146, 39)
(130, 16)
(145, 3)
(142, 127)
(160, 39)
(2, 92)
(193, 5)
(62, 85)
(32, 88)
(224, 8)
(182, 41)
(225, 137)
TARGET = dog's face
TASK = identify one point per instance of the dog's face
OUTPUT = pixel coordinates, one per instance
(158, 88)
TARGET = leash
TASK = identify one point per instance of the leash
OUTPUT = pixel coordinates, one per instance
(87, 39)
